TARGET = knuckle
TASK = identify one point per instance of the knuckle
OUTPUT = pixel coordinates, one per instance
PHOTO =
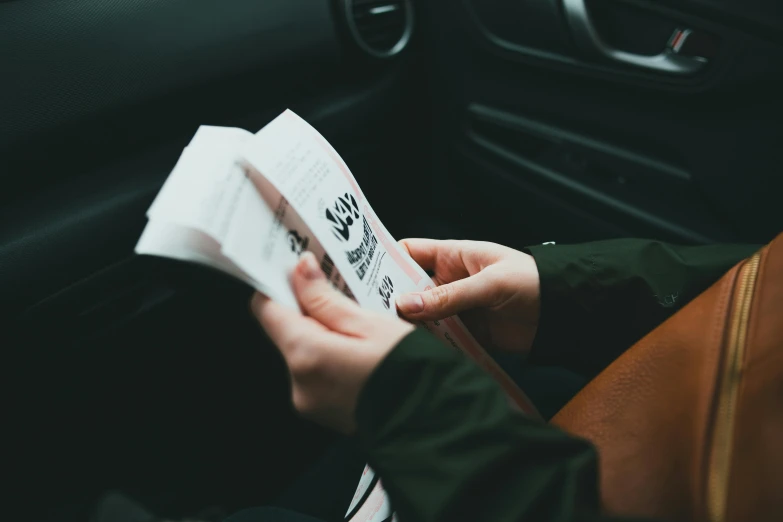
(440, 296)
(347, 323)
(349, 317)
(496, 285)
(293, 340)
(450, 245)
(319, 302)
(265, 314)
(303, 362)
(460, 244)
(302, 402)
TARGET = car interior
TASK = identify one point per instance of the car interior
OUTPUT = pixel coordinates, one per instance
(518, 122)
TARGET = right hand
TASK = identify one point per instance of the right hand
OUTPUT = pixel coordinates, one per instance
(495, 289)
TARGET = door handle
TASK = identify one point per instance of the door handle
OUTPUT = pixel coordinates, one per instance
(587, 38)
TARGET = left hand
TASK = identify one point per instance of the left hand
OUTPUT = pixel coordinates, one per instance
(331, 349)
(495, 289)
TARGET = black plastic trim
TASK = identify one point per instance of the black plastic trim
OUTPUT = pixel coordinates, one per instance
(704, 81)
(574, 186)
(64, 61)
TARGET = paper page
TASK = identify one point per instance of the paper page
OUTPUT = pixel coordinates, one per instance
(303, 167)
(376, 508)
(365, 483)
(202, 189)
(249, 205)
(178, 242)
(309, 173)
(209, 212)
(267, 237)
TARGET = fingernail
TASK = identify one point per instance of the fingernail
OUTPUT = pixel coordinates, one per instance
(410, 303)
(309, 266)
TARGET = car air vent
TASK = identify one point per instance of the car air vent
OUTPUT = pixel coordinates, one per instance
(381, 28)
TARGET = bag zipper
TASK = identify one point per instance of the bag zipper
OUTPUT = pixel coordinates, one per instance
(720, 457)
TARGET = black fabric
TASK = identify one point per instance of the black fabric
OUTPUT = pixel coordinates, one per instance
(549, 387)
(324, 492)
(440, 432)
(115, 506)
(449, 446)
(598, 299)
(270, 514)
(326, 489)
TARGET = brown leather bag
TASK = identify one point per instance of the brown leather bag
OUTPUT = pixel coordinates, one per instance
(689, 422)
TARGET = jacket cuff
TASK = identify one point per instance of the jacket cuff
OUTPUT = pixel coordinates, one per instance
(390, 394)
(562, 270)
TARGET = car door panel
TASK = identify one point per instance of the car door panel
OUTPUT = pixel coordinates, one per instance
(139, 373)
(649, 154)
(151, 376)
(70, 228)
(69, 59)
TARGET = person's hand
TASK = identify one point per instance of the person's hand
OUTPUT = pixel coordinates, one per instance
(495, 289)
(332, 349)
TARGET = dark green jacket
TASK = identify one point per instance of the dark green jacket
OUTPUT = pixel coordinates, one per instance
(440, 432)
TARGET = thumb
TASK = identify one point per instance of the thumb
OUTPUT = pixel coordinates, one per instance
(322, 302)
(446, 300)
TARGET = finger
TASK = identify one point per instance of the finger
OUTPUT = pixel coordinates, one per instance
(323, 303)
(299, 338)
(424, 251)
(402, 243)
(446, 300)
(285, 326)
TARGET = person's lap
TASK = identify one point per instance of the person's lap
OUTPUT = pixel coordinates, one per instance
(323, 493)
(270, 514)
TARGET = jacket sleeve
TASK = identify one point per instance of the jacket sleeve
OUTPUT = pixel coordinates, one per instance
(598, 299)
(448, 446)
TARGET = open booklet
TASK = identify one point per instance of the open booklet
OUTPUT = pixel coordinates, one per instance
(250, 204)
